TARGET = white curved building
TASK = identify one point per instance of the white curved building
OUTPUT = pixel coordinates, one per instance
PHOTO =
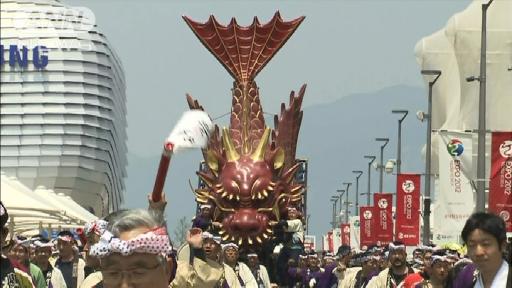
(63, 106)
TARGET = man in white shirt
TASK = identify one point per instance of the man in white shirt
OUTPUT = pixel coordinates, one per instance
(258, 271)
(485, 237)
(242, 272)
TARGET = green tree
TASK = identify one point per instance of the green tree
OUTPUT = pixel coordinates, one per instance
(180, 232)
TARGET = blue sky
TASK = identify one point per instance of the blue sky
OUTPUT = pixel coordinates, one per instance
(342, 48)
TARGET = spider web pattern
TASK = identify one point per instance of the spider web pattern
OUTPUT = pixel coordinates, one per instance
(244, 51)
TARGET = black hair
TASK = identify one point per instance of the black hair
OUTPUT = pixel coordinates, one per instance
(343, 250)
(487, 222)
(66, 233)
(440, 252)
(4, 216)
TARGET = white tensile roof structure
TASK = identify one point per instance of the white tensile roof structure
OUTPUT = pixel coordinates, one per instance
(455, 50)
(31, 210)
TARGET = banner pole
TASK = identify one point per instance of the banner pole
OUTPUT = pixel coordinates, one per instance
(165, 160)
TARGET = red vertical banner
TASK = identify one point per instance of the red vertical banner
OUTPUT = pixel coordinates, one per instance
(407, 228)
(330, 241)
(500, 185)
(366, 219)
(383, 223)
(345, 234)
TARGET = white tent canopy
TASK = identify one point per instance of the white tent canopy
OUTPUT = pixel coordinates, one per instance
(31, 210)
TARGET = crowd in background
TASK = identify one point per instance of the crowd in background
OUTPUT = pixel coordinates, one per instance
(131, 248)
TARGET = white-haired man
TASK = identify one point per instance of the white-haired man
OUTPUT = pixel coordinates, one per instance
(133, 251)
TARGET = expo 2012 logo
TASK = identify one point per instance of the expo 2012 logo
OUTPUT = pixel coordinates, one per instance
(408, 186)
(506, 149)
(367, 214)
(455, 147)
(400, 235)
(505, 215)
(383, 203)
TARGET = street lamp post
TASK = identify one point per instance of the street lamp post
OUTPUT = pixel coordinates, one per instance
(399, 144)
(334, 199)
(372, 158)
(426, 199)
(480, 169)
(307, 224)
(381, 164)
(359, 173)
(341, 191)
(346, 200)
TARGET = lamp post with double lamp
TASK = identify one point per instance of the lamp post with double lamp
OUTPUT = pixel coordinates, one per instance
(334, 200)
(346, 200)
(426, 199)
(359, 173)
(399, 144)
(381, 164)
(372, 158)
(480, 168)
(341, 191)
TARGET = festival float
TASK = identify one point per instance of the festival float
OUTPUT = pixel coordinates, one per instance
(250, 169)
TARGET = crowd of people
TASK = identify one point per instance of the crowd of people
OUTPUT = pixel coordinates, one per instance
(131, 248)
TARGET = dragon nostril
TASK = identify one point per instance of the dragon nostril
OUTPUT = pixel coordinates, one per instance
(246, 221)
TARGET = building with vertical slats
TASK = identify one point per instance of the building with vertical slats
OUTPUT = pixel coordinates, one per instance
(63, 103)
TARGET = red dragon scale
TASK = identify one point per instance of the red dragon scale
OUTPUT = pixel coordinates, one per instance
(250, 180)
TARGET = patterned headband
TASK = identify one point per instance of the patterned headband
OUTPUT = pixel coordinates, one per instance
(22, 242)
(66, 238)
(229, 245)
(155, 241)
(96, 226)
(208, 235)
(39, 244)
(437, 258)
(393, 247)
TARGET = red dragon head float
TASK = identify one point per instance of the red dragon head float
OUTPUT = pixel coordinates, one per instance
(250, 179)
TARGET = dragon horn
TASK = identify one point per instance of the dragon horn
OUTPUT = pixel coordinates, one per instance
(231, 152)
(259, 153)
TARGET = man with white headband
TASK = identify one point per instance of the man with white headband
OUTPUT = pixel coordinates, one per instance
(424, 271)
(204, 221)
(10, 273)
(310, 276)
(361, 276)
(43, 252)
(203, 267)
(93, 231)
(71, 266)
(21, 254)
(437, 271)
(242, 272)
(393, 276)
(258, 271)
(133, 251)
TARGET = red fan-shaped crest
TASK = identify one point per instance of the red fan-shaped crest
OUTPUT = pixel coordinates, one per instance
(244, 51)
